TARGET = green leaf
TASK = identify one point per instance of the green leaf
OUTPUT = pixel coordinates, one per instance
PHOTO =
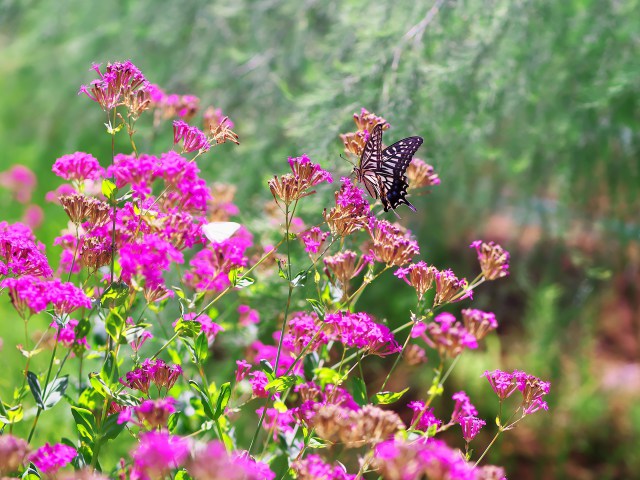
(91, 399)
(11, 414)
(85, 423)
(172, 422)
(110, 428)
(54, 391)
(432, 430)
(244, 282)
(83, 328)
(317, 306)
(206, 400)
(100, 385)
(385, 398)
(182, 475)
(187, 328)
(328, 376)
(359, 391)
(310, 363)
(36, 390)
(114, 325)
(201, 348)
(233, 275)
(110, 372)
(281, 383)
(109, 189)
(223, 399)
(115, 295)
(30, 473)
(300, 279)
(266, 366)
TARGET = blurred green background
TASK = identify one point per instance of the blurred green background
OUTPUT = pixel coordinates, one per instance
(530, 115)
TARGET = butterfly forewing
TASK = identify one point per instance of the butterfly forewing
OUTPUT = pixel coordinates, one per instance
(371, 158)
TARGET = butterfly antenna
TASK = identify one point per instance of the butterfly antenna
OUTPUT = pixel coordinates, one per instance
(345, 158)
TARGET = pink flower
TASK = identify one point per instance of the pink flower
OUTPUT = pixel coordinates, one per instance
(314, 467)
(360, 331)
(258, 382)
(193, 138)
(276, 421)
(158, 453)
(313, 239)
(503, 383)
(423, 416)
(51, 458)
(214, 462)
(242, 369)
(28, 294)
(470, 427)
(448, 336)
(20, 181)
(20, 253)
(248, 316)
(463, 407)
(78, 166)
(33, 216)
(146, 259)
(117, 85)
(494, 260)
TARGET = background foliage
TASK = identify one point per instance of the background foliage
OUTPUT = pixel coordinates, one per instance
(530, 115)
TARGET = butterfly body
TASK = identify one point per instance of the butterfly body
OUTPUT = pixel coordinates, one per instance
(383, 172)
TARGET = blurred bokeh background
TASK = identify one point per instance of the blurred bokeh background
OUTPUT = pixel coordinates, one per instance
(530, 115)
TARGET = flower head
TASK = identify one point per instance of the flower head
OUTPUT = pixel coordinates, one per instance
(478, 323)
(351, 212)
(313, 239)
(151, 414)
(503, 383)
(494, 260)
(342, 267)
(158, 453)
(463, 407)
(293, 186)
(419, 275)
(423, 416)
(20, 181)
(20, 253)
(358, 330)
(51, 458)
(214, 463)
(314, 468)
(421, 174)
(79, 207)
(470, 427)
(192, 137)
(449, 336)
(390, 245)
(13, 453)
(449, 288)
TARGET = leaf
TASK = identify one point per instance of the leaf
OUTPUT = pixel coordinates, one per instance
(54, 391)
(30, 473)
(359, 390)
(114, 325)
(83, 328)
(317, 306)
(385, 398)
(115, 295)
(85, 423)
(100, 385)
(244, 282)
(187, 328)
(328, 376)
(281, 383)
(111, 428)
(182, 475)
(206, 400)
(266, 366)
(109, 189)
(172, 421)
(11, 414)
(201, 348)
(110, 372)
(91, 399)
(300, 279)
(223, 399)
(310, 363)
(36, 390)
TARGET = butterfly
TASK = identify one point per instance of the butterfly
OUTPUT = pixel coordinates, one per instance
(218, 232)
(383, 172)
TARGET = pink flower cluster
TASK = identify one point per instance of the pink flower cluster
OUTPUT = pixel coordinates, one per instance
(20, 253)
(152, 371)
(504, 384)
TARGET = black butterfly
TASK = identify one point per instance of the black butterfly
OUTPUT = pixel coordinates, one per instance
(383, 172)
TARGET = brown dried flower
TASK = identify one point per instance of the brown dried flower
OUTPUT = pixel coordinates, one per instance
(390, 245)
(421, 174)
(13, 453)
(78, 208)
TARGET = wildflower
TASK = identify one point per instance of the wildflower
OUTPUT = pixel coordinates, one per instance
(210, 267)
(192, 137)
(66, 297)
(83, 474)
(144, 261)
(95, 252)
(33, 216)
(188, 191)
(208, 326)
(533, 389)
(138, 171)
(158, 453)
(421, 174)
(423, 416)
(367, 120)
(313, 397)
(306, 332)
(293, 186)
(78, 207)
(258, 383)
(463, 407)
(358, 330)
(494, 260)
(277, 421)
(152, 371)
(490, 472)
(247, 316)
(313, 239)
(424, 458)
(67, 336)
(390, 245)
(137, 336)
(414, 355)
(420, 276)
(503, 383)
(354, 142)
(51, 458)
(78, 166)
(470, 427)
(351, 212)
(13, 453)
(269, 353)
(366, 426)
(478, 323)
(219, 126)
(242, 369)
(118, 85)
(314, 468)
(449, 288)
(448, 336)
(214, 463)
(151, 414)
(342, 267)
(28, 294)
(20, 253)
(20, 181)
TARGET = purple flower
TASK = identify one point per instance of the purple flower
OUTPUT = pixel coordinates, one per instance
(120, 82)
(66, 297)
(28, 294)
(360, 331)
(248, 316)
(258, 382)
(78, 166)
(188, 191)
(463, 407)
(208, 326)
(423, 416)
(313, 239)
(192, 137)
(20, 253)
(138, 171)
(305, 331)
(214, 462)
(51, 458)
(448, 336)
(353, 196)
(309, 173)
(314, 467)
(243, 367)
(470, 427)
(502, 383)
(147, 259)
(478, 323)
(158, 453)
(276, 421)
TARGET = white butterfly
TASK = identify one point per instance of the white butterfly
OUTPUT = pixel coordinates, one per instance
(218, 232)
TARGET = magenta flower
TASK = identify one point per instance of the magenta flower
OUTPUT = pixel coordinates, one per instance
(502, 383)
(243, 368)
(258, 382)
(188, 191)
(152, 371)
(214, 462)
(305, 331)
(152, 414)
(494, 260)
(308, 173)
(478, 323)
(28, 294)
(117, 85)
(20, 253)
(210, 267)
(79, 167)
(13, 453)
(20, 181)
(270, 353)
(158, 453)
(145, 261)
(360, 331)
(470, 427)
(51, 458)
(423, 417)
(138, 171)
(448, 336)
(313, 239)
(314, 467)
(463, 407)
(277, 422)
(67, 335)
(66, 297)
(192, 137)
(248, 316)
(533, 389)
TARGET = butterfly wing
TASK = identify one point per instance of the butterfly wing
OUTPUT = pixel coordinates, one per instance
(370, 161)
(392, 172)
(218, 232)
